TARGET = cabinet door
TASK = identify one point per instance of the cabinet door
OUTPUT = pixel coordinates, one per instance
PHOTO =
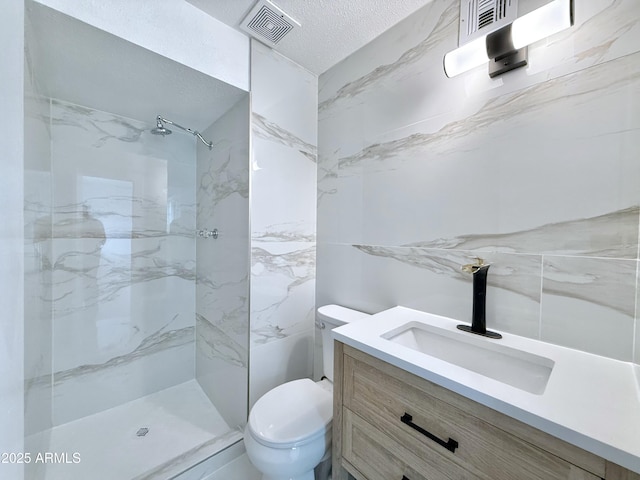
(432, 429)
(378, 457)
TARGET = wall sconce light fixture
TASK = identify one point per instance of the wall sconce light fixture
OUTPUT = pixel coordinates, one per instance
(506, 48)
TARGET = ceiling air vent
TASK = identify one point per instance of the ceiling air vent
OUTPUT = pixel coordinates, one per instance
(268, 23)
(478, 17)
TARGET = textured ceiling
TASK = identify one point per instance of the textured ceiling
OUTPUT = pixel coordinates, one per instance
(331, 29)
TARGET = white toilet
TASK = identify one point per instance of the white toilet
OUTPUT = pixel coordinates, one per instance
(289, 429)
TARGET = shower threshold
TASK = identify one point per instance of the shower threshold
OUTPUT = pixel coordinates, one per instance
(150, 438)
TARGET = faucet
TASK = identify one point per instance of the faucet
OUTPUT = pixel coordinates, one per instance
(479, 270)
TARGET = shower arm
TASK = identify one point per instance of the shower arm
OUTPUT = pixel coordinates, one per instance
(192, 132)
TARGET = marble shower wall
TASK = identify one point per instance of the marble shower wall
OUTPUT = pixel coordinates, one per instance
(536, 171)
(122, 260)
(283, 220)
(222, 287)
(12, 236)
(38, 309)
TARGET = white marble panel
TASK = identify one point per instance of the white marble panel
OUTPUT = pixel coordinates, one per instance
(12, 236)
(108, 298)
(381, 54)
(283, 220)
(513, 177)
(412, 85)
(38, 313)
(222, 285)
(223, 175)
(589, 304)
(280, 361)
(284, 93)
(282, 290)
(123, 260)
(374, 278)
(222, 326)
(124, 195)
(222, 371)
(538, 161)
(73, 124)
(284, 186)
(162, 360)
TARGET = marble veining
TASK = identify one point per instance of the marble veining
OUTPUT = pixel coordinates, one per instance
(106, 274)
(284, 170)
(287, 232)
(613, 234)
(106, 127)
(281, 279)
(606, 282)
(509, 272)
(573, 89)
(327, 176)
(601, 281)
(217, 343)
(446, 24)
(616, 17)
(123, 260)
(535, 171)
(295, 265)
(127, 217)
(267, 130)
(160, 340)
(221, 178)
(222, 270)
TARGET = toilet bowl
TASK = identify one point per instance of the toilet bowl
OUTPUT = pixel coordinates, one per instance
(289, 429)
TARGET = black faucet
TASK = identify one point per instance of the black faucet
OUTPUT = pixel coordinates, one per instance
(478, 326)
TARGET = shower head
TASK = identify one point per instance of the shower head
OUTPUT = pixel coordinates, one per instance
(160, 128)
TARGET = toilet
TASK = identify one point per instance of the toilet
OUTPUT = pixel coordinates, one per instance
(289, 429)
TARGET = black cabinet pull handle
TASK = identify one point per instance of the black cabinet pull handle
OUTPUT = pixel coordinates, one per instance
(450, 444)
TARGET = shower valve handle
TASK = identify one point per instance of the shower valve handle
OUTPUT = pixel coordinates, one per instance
(208, 233)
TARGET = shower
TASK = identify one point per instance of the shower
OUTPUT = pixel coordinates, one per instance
(162, 130)
(159, 353)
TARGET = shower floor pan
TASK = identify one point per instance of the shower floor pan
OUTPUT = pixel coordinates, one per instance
(183, 428)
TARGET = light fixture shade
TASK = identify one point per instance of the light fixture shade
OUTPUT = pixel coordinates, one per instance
(468, 56)
(542, 23)
(530, 28)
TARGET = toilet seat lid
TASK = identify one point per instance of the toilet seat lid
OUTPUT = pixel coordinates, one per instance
(290, 414)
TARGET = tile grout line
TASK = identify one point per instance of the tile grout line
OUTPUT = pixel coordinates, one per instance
(541, 291)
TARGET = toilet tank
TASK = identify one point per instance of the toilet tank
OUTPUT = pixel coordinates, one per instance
(329, 317)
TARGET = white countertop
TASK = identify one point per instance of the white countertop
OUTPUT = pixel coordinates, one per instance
(590, 401)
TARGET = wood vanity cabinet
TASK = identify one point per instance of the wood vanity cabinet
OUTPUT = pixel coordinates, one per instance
(389, 424)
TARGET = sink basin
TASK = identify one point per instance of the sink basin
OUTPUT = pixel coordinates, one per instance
(522, 370)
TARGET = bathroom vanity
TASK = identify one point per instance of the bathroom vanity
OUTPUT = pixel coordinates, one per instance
(390, 423)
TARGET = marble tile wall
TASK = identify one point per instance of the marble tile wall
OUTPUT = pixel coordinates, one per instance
(536, 171)
(222, 287)
(122, 260)
(38, 309)
(283, 220)
(12, 236)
